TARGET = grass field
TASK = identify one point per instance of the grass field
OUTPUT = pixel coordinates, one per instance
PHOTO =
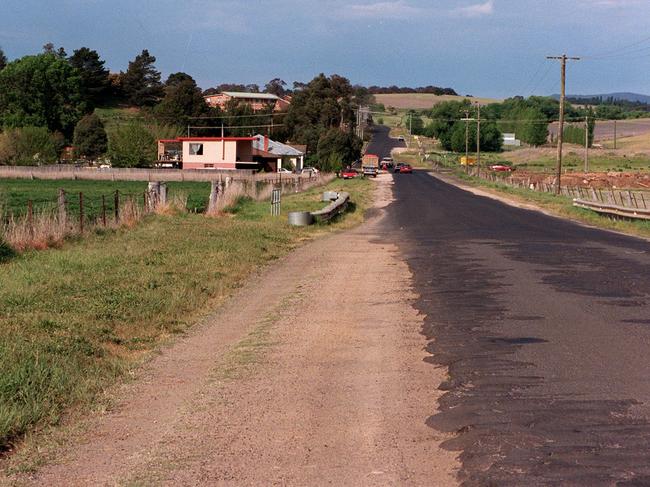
(14, 194)
(74, 320)
(419, 101)
(115, 116)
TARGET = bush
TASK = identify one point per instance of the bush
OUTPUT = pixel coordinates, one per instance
(131, 145)
(90, 139)
(6, 252)
(337, 149)
(28, 146)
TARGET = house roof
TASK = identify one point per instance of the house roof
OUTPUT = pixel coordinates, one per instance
(239, 94)
(203, 139)
(275, 148)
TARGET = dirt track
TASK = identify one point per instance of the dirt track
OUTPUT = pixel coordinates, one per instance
(307, 377)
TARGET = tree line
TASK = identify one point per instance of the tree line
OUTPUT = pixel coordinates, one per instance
(435, 90)
(49, 100)
(527, 118)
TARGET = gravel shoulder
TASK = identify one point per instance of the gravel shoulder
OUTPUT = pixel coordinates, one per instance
(308, 376)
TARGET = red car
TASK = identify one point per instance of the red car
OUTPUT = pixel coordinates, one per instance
(406, 169)
(502, 168)
(349, 173)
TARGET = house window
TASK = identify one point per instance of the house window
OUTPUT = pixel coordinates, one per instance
(196, 149)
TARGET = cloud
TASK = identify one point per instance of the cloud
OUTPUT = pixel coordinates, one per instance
(398, 9)
(477, 10)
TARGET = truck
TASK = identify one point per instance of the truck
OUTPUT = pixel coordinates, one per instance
(370, 165)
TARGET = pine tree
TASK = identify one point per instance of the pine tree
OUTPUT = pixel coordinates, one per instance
(94, 75)
(3, 59)
(141, 82)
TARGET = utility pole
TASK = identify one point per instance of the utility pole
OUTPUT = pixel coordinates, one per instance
(410, 124)
(478, 141)
(560, 136)
(614, 134)
(586, 143)
(467, 120)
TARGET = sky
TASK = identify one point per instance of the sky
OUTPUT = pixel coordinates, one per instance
(491, 48)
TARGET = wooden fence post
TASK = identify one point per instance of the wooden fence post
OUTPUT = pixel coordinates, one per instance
(214, 196)
(117, 205)
(104, 211)
(62, 209)
(81, 213)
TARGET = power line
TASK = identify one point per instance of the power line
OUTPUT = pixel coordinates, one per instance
(618, 50)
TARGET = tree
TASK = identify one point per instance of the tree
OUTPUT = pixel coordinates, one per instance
(94, 76)
(445, 116)
(28, 146)
(131, 145)
(50, 49)
(183, 99)
(176, 78)
(491, 139)
(141, 82)
(337, 149)
(322, 104)
(90, 139)
(362, 96)
(3, 59)
(276, 87)
(414, 122)
(43, 91)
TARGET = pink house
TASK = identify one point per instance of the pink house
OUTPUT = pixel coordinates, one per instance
(210, 152)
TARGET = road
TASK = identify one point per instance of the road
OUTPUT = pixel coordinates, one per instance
(544, 326)
(315, 380)
(382, 143)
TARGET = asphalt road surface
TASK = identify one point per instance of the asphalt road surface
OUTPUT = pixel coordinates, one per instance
(382, 143)
(545, 328)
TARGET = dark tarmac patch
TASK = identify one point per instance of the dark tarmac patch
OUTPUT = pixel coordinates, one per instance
(512, 425)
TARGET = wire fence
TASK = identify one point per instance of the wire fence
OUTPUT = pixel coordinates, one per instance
(633, 199)
(40, 223)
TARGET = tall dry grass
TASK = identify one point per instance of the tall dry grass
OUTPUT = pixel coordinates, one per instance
(262, 190)
(47, 229)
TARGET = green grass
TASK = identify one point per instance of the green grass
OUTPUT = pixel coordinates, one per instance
(73, 320)
(113, 117)
(14, 194)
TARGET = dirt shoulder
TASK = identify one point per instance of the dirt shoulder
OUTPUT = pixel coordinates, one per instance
(306, 377)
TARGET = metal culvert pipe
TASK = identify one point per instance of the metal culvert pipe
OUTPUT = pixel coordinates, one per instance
(300, 218)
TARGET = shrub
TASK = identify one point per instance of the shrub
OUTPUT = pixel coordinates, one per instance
(90, 140)
(131, 145)
(28, 146)
(6, 252)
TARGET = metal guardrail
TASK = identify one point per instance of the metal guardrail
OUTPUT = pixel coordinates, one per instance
(333, 209)
(610, 209)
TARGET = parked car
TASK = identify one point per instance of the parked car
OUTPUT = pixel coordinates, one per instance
(349, 173)
(309, 169)
(284, 170)
(398, 166)
(401, 138)
(501, 168)
(405, 169)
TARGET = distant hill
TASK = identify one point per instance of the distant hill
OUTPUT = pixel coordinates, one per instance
(420, 101)
(624, 96)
